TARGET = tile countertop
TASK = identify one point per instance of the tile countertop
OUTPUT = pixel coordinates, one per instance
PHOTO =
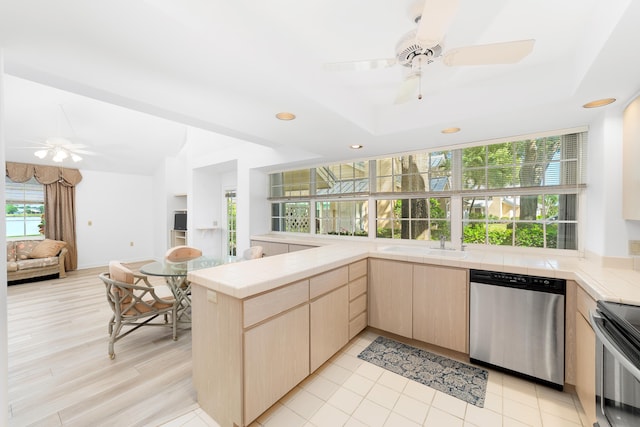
(621, 285)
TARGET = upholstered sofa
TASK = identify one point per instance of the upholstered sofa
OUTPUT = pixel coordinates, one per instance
(35, 258)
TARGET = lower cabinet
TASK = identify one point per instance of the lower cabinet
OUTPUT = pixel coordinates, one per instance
(276, 359)
(390, 293)
(585, 356)
(441, 307)
(329, 326)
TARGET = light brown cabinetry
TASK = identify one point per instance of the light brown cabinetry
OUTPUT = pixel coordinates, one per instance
(390, 296)
(585, 370)
(357, 297)
(329, 326)
(247, 354)
(440, 306)
(630, 158)
(276, 359)
(329, 311)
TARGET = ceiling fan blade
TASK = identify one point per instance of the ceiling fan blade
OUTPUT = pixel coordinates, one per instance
(360, 65)
(88, 153)
(435, 20)
(408, 89)
(487, 54)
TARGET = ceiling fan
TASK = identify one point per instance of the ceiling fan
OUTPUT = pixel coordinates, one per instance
(422, 46)
(60, 148)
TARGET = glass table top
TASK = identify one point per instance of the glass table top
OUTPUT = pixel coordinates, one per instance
(167, 268)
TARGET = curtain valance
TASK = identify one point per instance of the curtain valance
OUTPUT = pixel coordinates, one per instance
(22, 172)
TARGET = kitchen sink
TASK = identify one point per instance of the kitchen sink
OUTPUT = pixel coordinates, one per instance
(410, 250)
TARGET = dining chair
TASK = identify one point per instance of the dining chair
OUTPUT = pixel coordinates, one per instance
(253, 252)
(182, 289)
(182, 253)
(134, 303)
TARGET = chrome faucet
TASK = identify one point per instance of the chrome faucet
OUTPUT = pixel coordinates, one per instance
(462, 245)
(442, 242)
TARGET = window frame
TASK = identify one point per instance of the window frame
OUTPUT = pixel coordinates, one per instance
(11, 187)
(456, 193)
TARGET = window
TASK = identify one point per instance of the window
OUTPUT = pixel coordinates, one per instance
(344, 178)
(414, 173)
(345, 218)
(523, 193)
(24, 208)
(290, 184)
(230, 197)
(414, 219)
(497, 220)
(515, 193)
(290, 216)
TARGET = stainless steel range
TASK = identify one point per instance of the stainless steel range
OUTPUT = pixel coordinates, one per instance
(617, 328)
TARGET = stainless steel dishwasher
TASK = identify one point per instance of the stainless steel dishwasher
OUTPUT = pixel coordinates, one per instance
(516, 324)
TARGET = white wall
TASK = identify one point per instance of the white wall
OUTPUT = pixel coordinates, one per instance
(121, 210)
(4, 346)
(606, 232)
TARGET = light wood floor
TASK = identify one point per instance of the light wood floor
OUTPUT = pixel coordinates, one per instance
(59, 369)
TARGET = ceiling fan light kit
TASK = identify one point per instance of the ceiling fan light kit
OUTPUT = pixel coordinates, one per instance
(58, 153)
(60, 148)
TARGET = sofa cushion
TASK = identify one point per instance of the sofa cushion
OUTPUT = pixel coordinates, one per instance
(24, 248)
(36, 263)
(12, 266)
(11, 251)
(47, 248)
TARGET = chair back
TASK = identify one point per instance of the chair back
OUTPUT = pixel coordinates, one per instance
(119, 272)
(253, 252)
(182, 253)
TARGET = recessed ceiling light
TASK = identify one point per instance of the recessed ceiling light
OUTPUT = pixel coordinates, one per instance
(356, 146)
(450, 130)
(285, 116)
(599, 103)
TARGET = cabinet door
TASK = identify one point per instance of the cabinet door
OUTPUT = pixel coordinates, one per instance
(390, 288)
(440, 306)
(276, 359)
(586, 367)
(329, 326)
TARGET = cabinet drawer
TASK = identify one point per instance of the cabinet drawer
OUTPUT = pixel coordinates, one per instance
(357, 288)
(357, 306)
(584, 303)
(357, 269)
(357, 325)
(263, 306)
(327, 282)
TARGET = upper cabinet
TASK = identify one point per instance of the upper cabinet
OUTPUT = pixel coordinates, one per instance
(630, 159)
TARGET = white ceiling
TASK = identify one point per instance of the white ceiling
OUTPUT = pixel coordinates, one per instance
(132, 75)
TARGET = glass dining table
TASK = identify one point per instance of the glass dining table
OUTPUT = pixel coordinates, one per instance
(175, 275)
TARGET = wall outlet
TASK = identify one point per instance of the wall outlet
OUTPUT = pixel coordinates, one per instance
(634, 247)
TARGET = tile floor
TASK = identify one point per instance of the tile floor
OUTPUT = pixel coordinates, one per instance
(349, 392)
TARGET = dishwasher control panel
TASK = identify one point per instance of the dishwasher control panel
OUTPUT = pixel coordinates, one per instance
(534, 283)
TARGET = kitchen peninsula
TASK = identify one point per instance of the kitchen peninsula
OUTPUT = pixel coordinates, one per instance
(261, 328)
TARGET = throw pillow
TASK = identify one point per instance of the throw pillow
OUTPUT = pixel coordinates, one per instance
(47, 248)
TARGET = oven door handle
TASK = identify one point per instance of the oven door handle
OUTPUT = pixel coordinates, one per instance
(598, 327)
